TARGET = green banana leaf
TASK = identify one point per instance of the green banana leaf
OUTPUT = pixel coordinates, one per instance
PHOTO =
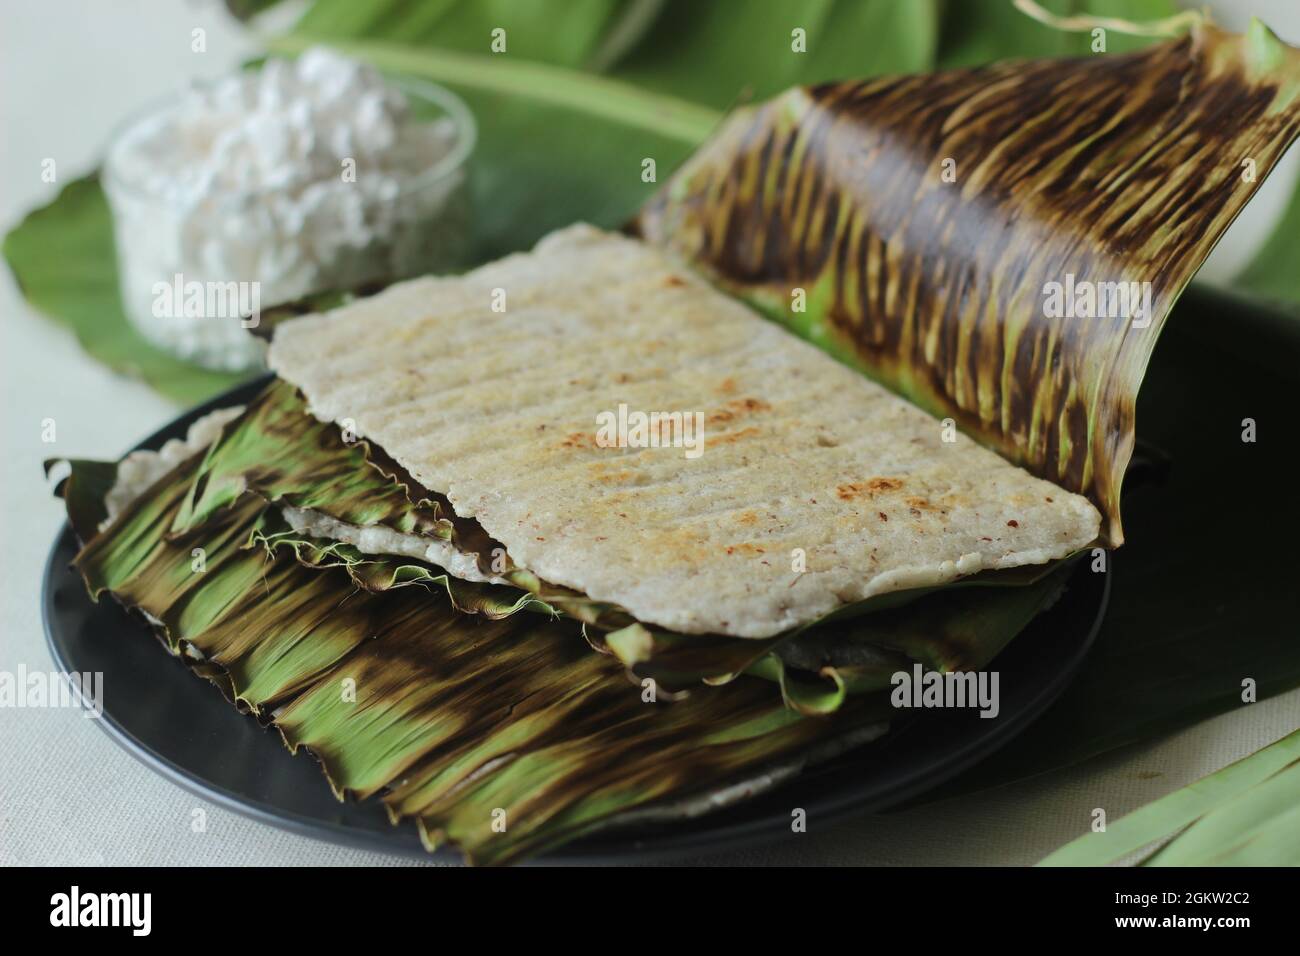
(1247, 814)
(572, 33)
(247, 9)
(502, 737)
(719, 53)
(63, 261)
(1275, 272)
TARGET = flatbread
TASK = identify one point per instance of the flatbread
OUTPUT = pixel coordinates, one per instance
(815, 487)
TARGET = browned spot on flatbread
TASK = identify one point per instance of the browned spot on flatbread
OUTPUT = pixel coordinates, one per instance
(736, 408)
(728, 438)
(581, 440)
(853, 490)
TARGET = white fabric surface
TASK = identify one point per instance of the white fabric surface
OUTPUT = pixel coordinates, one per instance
(68, 795)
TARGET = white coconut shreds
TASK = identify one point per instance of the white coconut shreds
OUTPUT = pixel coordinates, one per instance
(300, 176)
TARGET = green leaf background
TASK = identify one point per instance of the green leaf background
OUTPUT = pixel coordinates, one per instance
(63, 261)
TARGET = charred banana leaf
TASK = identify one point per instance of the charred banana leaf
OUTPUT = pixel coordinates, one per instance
(999, 245)
(502, 737)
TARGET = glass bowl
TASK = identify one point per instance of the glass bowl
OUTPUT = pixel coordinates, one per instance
(195, 273)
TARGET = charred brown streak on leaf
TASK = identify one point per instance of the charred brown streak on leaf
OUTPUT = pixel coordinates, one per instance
(1111, 168)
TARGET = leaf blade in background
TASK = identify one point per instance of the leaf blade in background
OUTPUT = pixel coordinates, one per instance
(1274, 273)
(716, 52)
(1209, 822)
(1259, 828)
(63, 261)
(561, 32)
(248, 9)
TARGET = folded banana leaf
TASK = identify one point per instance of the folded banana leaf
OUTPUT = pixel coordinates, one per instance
(277, 451)
(280, 452)
(970, 238)
(503, 737)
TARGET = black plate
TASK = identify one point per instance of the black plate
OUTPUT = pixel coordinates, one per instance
(185, 730)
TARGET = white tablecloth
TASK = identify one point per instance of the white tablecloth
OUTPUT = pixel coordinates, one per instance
(69, 795)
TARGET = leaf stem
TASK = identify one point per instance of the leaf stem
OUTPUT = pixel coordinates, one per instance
(1169, 26)
(557, 86)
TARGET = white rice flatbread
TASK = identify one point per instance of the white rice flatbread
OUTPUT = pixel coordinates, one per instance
(805, 463)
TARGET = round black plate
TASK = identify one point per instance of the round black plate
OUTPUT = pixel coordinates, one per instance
(185, 730)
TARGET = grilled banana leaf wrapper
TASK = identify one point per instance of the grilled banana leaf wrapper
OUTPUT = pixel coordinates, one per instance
(971, 238)
(501, 734)
(280, 453)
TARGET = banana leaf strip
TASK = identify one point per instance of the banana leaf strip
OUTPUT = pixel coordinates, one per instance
(958, 631)
(503, 737)
(280, 452)
(1247, 814)
(287, 455)
(83, 490)
(380, 573)
(815, 669)
(930, 229)
(953, 629)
